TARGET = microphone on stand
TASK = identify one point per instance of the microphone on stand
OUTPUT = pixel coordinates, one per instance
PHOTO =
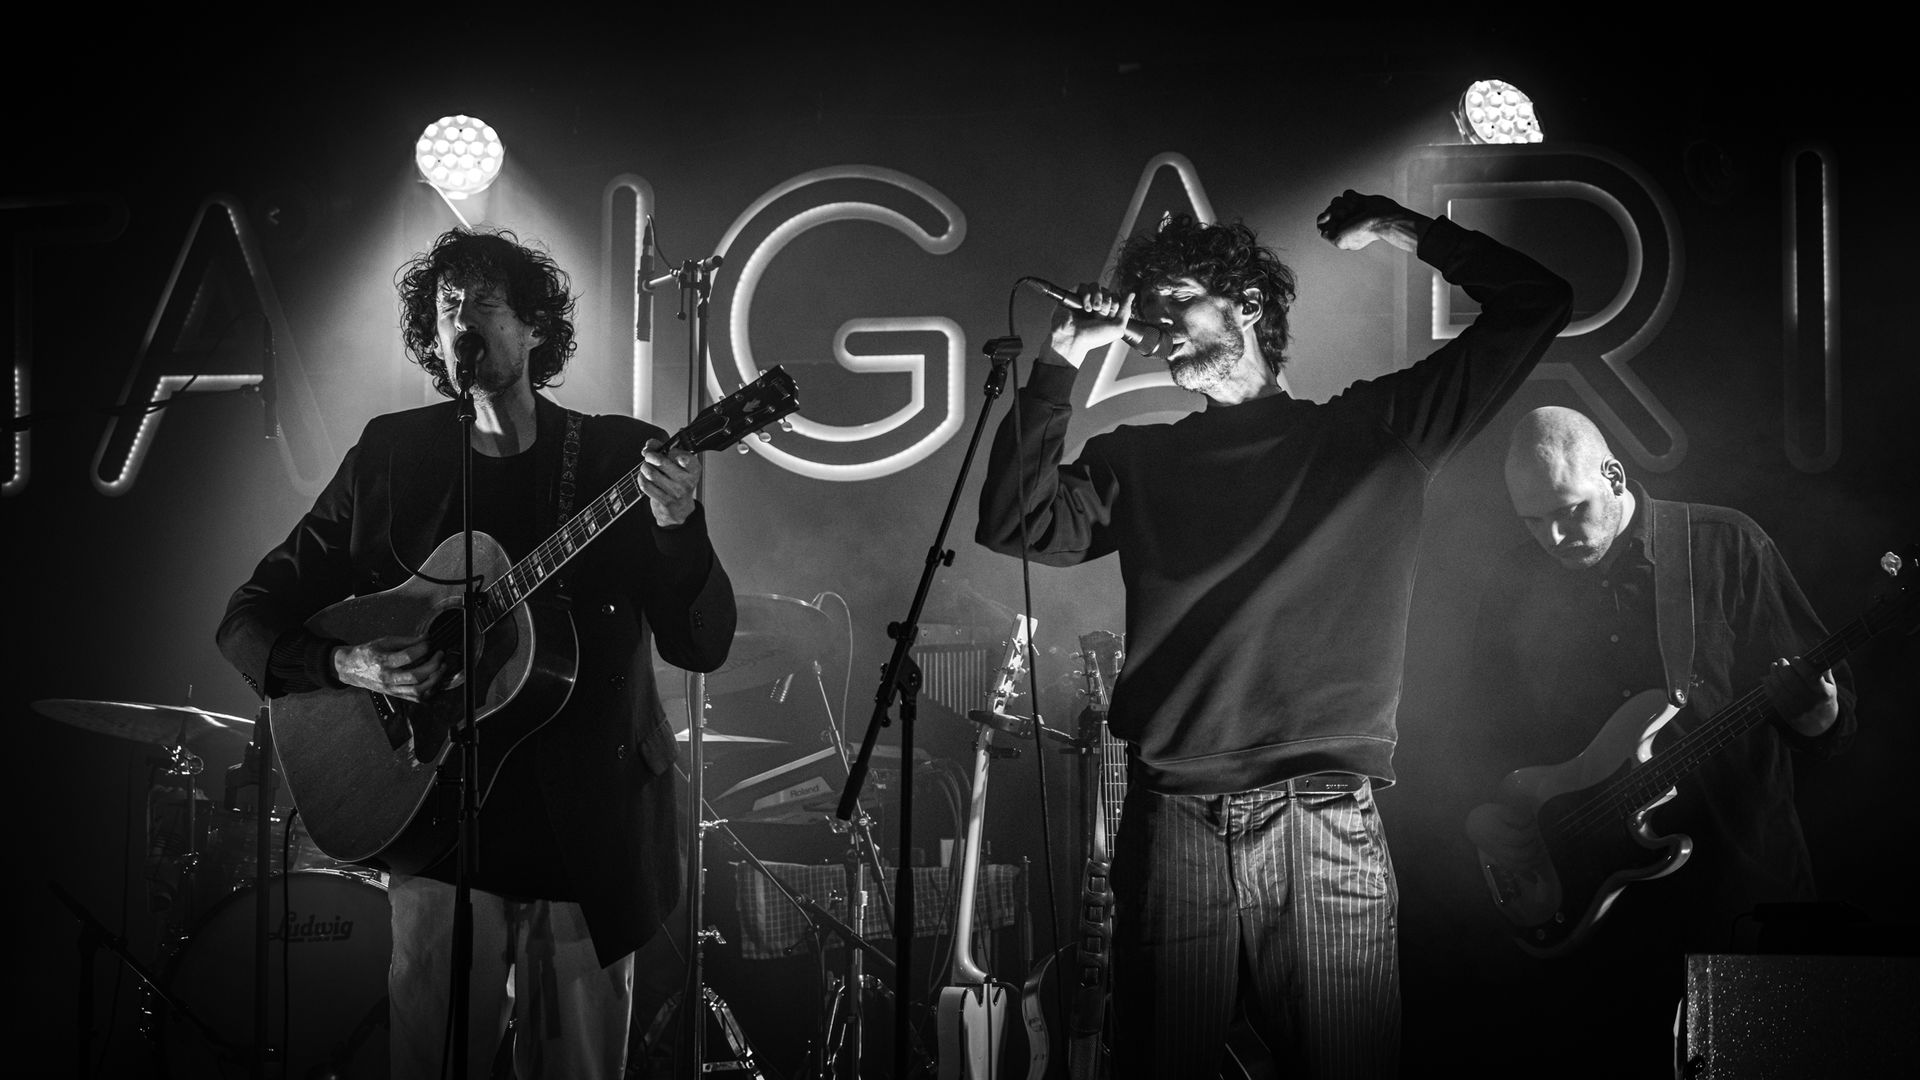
(643, 282)
(467, 349)
(1146, 338)
(267, 379)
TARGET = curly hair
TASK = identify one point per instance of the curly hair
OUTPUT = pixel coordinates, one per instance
(538, 291)
(1227, 259)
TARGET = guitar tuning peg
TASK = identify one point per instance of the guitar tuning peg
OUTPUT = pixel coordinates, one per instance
(740, 448)
(1890, 563)
(765, 436)
(786, 425)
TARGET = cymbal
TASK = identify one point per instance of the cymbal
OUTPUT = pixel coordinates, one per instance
(775, 637)
(722, 744)
(708, 738)
(160, 725)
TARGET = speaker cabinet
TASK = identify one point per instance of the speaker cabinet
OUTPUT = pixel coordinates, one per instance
(1760, 1017)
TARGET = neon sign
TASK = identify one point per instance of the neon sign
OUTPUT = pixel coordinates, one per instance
(754, 268)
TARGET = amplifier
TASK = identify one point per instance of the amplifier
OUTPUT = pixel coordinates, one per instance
(1753, 1017)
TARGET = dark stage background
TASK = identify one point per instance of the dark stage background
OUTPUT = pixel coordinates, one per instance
(1009, 154)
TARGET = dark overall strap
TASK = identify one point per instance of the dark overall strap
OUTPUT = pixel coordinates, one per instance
(1673, 594)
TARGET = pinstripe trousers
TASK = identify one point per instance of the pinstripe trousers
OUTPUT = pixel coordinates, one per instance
(1294, 894)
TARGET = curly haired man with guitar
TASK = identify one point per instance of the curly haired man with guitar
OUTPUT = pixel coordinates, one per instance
(352, 627)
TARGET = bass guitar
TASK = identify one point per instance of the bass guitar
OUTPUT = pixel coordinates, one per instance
(1105, 781)
(360, 765)
(972, 1010)
(1589, 816)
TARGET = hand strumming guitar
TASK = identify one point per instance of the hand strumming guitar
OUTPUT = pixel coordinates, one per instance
(399, 666)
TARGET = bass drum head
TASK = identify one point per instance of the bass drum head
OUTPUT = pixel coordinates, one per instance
(331, 940)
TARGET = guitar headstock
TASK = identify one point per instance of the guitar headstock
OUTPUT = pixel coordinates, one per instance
(1005, 686)
(1899, 594)
(1101, 654)
(767, 399)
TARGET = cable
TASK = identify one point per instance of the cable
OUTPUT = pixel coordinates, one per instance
(1033, 678)
(286, 931)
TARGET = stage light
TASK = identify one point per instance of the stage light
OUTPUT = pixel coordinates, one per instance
(459, 155)
(1493, 111)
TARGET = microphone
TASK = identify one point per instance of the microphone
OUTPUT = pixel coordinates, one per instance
(1146, 338)
(643, 280)
(467, 349)
(267, 387)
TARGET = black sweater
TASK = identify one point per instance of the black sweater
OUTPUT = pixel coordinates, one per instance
(1268, 548)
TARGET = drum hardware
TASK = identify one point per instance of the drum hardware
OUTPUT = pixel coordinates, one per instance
(93, 935)
(330, 938)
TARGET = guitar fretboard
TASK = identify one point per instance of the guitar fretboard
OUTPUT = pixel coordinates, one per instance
(1626, 794)
(510, 588)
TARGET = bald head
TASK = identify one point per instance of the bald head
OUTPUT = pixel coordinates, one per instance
(1566, 485)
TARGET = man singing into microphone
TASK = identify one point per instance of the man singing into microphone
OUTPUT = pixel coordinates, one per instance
(1267, 545)
(578, 855)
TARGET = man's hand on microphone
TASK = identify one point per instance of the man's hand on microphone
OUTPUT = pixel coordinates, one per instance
(1099, 323)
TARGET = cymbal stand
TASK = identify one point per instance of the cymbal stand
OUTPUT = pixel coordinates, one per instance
(256, 769)
(846, 999)
(901, 677)
(173, 843)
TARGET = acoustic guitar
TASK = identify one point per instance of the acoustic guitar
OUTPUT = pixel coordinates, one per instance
(360, 765)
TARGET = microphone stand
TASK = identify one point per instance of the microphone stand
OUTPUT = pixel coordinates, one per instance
(695, 279)
(901, 677)
(466, 737)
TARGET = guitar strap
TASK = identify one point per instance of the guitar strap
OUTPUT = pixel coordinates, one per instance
(569, 469)
(1672, 543)
(563, 502)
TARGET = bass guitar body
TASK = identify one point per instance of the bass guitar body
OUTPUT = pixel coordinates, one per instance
(972, 1023)
(1589, 848)
(362, 766)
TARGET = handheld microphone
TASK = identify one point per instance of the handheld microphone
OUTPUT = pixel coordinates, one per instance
(467, 348)
(1146, 338)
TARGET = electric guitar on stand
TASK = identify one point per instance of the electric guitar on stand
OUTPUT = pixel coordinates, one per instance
(1105, 779)
(360, 765)
(1590, 814)
(972, 1012)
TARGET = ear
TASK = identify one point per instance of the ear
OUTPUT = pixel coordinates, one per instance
(1252, 306)
(1616, 475)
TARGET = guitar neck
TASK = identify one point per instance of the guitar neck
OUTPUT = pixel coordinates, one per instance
(966, 970)
(1113, 778)
(1742, 715)
(546, 560)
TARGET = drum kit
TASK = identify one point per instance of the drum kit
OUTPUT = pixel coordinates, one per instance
(328, 936)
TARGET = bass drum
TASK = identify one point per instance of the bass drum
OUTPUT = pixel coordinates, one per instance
(329, 947)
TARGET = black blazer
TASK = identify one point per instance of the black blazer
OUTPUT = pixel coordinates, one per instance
(604, 763)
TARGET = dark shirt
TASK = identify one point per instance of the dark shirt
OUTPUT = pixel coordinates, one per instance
(597, 773)
(1268, 547)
